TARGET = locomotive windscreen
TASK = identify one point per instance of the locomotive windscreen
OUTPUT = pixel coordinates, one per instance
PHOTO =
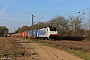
(53, 29)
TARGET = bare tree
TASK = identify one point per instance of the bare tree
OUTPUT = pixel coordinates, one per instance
(75, 24)
(61, 23)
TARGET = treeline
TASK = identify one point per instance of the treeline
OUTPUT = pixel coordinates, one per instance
(3, 31)
(73, 26)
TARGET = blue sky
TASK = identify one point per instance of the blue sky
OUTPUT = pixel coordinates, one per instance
(15, 13)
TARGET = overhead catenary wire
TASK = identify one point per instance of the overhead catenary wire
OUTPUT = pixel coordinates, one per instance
(82, 11)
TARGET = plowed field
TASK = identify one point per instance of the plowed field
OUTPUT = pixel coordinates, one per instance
(76, 45)
(17, 49)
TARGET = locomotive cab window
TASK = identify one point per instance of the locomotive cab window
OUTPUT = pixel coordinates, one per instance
(53, 29)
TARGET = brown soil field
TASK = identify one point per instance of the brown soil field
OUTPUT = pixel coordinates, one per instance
(76, 45)
(17, 49)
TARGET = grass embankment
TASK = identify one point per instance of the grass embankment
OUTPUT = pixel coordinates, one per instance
(79, 53)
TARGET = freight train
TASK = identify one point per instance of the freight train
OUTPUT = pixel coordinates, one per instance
(45, 32)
